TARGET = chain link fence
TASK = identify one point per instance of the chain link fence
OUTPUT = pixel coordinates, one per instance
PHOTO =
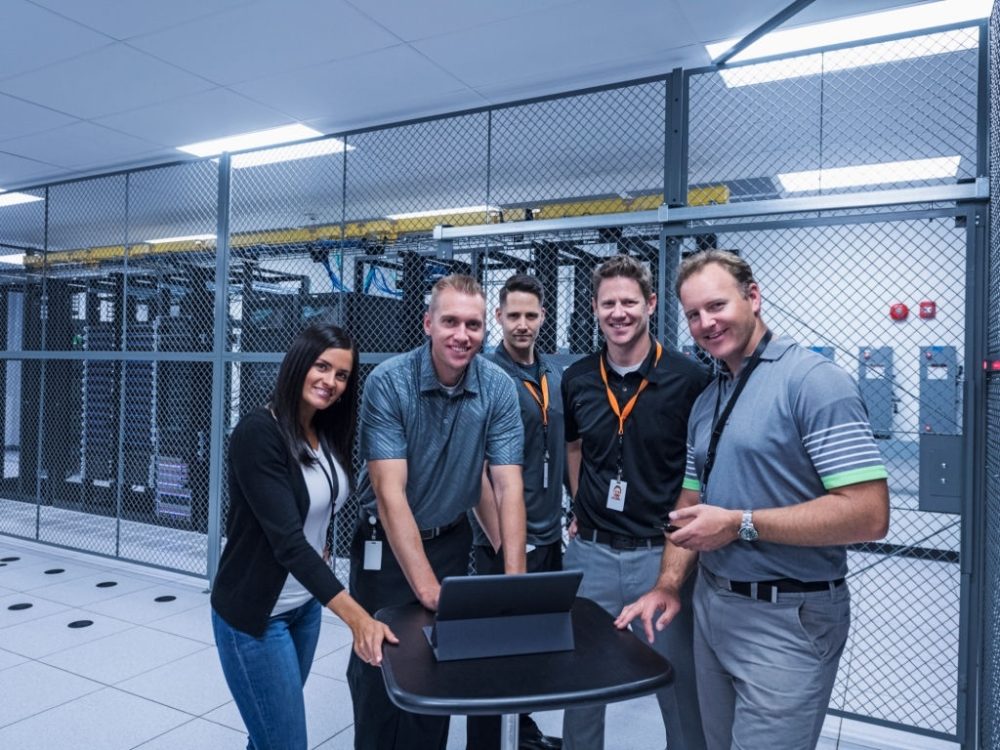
(893, 114)
(112, 314)
(989, 700)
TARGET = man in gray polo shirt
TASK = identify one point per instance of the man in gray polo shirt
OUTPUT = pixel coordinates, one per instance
(782, 473)
(430, 418)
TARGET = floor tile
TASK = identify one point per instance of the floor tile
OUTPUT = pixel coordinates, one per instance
(141, 607)
(198, 734)
(39, 608)
(8, 659)
(194, 683)
(334, 664)
(107, 719)
(136, 650)
(81, 592)
(32, 575)
(30, 688)
(48, 635)
(194, 623)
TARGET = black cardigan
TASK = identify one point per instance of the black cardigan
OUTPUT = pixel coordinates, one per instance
(268, 502)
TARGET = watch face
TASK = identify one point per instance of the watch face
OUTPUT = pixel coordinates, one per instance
(748, 533)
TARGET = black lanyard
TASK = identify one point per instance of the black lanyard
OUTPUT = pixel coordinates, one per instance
(720, 419)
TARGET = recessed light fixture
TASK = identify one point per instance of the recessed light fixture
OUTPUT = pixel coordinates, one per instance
(14, 199)
(858, 28)
(444, 212)
(870, 174)
(851, 57)
(262, 139)
(185, 238)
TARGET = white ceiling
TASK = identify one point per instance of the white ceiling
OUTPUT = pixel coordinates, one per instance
(89, 86)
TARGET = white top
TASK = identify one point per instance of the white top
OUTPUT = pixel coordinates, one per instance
(318, 482)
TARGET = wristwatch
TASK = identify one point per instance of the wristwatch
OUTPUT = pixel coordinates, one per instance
(748, 533)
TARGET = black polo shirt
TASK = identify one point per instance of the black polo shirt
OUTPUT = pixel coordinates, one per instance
(654, 440)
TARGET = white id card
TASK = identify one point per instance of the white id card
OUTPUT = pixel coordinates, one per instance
(373, 555)
(616, 494)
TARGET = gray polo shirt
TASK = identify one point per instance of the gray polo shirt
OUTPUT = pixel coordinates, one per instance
(543, 506)
(406, 413)
(798, 430)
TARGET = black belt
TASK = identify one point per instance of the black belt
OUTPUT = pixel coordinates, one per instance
(767, 591)
(618, 541)
(437, 531)
(426, 534)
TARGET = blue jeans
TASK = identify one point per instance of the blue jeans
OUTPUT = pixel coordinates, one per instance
(266, 675)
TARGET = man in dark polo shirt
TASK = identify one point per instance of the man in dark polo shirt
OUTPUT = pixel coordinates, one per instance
(521, 315)
(626, 409)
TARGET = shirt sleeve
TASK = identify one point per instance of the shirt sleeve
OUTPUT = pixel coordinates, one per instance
(835, 429)
(691, 481)
(572, 433)
(381, 425)
(505, 431)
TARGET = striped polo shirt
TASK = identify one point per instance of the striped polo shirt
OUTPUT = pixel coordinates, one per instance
(798, 431)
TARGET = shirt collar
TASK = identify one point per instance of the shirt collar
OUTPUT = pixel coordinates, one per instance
(507, 362)
(646, 369)
(428, 377)
(774, 350)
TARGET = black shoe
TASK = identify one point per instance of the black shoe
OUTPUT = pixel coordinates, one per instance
(541, 742)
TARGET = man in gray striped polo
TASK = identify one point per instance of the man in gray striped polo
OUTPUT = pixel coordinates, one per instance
(782, 473)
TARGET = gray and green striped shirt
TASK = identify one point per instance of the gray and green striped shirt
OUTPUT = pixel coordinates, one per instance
(799, 430)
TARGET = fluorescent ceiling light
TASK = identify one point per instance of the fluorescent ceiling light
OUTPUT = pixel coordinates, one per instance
(858, 28)
(13, 260)
(289, 153)
(185, 238)
(870, 174)
(444, 212)
(13, 199)
(264, 138)
(851, 57)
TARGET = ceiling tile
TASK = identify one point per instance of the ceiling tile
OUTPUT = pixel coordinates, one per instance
(20, 118)
(199, 117)
(409, 20)
(558, 42)
(122, 19)
(362, 89)
(267, 37)
(16, 171)
(113, 79)
(34, 37)
(82, 144)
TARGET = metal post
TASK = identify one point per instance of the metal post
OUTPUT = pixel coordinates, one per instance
(123, 345)
(508, 732)
(43, 313)
(217, 430)
(675, 176)
(973, 508)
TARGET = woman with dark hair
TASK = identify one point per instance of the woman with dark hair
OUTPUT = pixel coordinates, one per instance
(289, 467)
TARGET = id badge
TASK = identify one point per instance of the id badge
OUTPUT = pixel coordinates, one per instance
(616, 494)
(373, 555)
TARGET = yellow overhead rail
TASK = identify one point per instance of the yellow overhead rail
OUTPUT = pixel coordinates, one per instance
(384, 230)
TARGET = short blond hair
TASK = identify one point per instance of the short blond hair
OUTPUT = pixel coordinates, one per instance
(459, 282)
(730, 262)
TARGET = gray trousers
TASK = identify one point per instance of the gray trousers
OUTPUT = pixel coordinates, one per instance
(614, 578)
(766, 670)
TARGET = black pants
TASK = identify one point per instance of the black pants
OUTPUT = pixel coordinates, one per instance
(378, 723)
(483, 732)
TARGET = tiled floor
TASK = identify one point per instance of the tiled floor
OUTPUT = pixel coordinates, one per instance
(144, 673)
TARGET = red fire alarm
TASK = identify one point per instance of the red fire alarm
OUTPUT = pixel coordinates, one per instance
(898, 311)
(928, 308)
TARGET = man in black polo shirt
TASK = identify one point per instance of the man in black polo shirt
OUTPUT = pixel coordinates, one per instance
(626, 411)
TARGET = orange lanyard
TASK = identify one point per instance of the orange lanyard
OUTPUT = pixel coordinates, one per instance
(623, 414)
(542, 400)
